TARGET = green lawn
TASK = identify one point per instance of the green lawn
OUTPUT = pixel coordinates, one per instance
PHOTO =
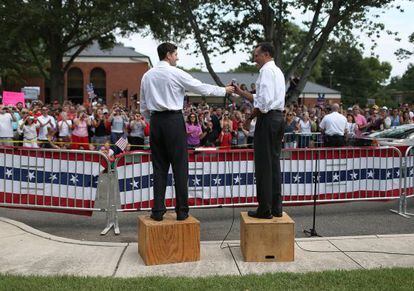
(380, 279)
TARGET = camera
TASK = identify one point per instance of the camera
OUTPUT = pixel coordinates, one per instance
(233, 82)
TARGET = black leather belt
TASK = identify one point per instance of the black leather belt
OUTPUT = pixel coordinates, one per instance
(166, 111)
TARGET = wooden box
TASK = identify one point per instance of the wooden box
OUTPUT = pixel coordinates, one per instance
(168, 241)
(267, 240)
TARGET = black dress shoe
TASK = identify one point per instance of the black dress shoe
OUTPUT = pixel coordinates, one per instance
(182, 216)
(255, 214)
(157, 216)
(277, 214)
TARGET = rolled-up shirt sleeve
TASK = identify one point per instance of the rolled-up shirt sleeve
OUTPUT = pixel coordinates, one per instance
(193, 85)
(142, 102)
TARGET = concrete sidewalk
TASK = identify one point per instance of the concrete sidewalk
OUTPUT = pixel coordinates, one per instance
(27, 251)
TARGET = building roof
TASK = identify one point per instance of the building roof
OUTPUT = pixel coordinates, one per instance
(248, 78)
(118, 50)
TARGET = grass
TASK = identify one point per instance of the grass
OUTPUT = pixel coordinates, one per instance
(378, 279)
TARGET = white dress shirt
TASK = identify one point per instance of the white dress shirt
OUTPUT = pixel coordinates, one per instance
(270, 88)
(334, 124)
(43, 130)
(163, 88)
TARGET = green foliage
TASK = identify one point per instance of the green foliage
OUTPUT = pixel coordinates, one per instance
(245, 68)
(43, 32)
(402, 53)
(405, 82)
(357, 78)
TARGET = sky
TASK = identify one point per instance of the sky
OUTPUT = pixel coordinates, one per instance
(393, 20)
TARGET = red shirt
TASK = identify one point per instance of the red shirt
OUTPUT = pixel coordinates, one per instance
(226, 141)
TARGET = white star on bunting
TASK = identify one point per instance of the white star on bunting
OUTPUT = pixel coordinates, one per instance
(31, 176)
(237, 180)
(9, 173)
(196, 181)
(370, 174)
(354, 175)
(296, 179)
(74, 179)
(134, 184)
(53, 177)
(335, 177)
(217, 180)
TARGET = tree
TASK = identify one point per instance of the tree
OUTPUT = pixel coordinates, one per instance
(49, 30)
(402, 53)
(245, 68)
(220, 26)
(345, 69)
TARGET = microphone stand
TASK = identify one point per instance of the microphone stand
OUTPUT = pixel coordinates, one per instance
(312, 232)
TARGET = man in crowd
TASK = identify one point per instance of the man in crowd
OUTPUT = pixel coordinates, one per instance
(45, 121)
(333, 125)
(162, 95)
(6, 126)
(269, 103)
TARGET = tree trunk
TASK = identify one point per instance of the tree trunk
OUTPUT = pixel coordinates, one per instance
(311, 60)
(203, 47)
(57, 77)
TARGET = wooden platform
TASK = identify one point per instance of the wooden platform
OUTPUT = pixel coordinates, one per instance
(168, 241)
(267, 240)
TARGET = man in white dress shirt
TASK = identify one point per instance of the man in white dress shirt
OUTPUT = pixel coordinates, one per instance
(269, 103)
(162, 96)
(333, 126)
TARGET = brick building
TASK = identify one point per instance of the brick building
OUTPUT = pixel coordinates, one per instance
(114, 73)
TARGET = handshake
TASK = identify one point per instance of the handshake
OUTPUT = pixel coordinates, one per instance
(233, 87)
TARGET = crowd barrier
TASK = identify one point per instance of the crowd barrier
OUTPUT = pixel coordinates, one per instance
(407, 173)
(70, 181)
(303, 140)
(226, 178)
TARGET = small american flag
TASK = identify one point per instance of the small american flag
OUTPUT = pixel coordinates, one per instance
(122, 143)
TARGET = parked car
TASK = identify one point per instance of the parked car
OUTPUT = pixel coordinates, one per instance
(402, 135)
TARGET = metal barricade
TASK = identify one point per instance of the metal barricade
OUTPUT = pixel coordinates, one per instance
(226, 177)
(407, 172)
(303, 140)
(53, 179)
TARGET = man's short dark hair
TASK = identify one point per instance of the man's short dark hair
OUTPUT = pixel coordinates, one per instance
(165, 48)
(266, 47)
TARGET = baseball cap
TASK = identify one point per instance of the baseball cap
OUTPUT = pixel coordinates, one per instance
(105, 111)
(384, 108)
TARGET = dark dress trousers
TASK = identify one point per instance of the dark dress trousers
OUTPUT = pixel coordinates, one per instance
(168, 141)
(268, 137)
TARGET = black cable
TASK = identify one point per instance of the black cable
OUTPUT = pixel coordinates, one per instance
(230, 229)
(366, 252)
(233, 216)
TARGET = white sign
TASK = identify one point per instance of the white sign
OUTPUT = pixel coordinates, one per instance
(31, 93)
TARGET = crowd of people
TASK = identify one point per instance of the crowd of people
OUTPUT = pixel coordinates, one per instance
(95, 126)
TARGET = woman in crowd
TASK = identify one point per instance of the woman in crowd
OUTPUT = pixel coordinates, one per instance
(305, 129)
(351, 128)
(136, 136)
(100, 137)
(80, 134)
(241, 135)
(28, 128)
(225, 137)
(194, 131)
(290, 127)
(65, 126)
(118, 120)
(226, 121)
